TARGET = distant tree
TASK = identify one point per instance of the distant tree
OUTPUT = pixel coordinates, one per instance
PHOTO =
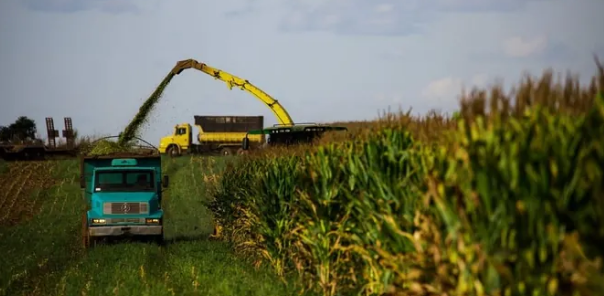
(22, 129)
(5, 134)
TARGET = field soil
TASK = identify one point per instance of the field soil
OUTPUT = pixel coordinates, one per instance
(40, 209)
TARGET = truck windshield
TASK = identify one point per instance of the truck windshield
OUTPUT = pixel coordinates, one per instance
(130, 180)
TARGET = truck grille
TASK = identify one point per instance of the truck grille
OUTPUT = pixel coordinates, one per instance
(122, 220)
(125, 208)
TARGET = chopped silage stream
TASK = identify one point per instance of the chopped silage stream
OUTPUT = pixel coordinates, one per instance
(133, 128)
(103, 147)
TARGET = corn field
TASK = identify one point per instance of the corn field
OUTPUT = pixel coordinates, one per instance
(504, 198)
(21, 193)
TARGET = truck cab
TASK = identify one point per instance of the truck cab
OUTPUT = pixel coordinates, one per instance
(179, 141)
(124, 197)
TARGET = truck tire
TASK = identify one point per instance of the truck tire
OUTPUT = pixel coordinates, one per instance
(85, 233)
(173, 151)
(39, 154)
(159, 239)
(226, 151)
(87, 241)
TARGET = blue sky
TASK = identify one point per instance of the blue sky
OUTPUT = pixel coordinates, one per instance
(327, 60)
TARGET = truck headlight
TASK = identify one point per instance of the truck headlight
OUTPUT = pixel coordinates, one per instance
(153, 221)
(98, 221)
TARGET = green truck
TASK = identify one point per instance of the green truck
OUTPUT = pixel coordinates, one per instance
(123, 192)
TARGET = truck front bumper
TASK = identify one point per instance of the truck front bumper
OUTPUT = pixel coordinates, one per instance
(125, 230)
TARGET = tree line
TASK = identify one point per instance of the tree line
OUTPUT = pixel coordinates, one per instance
(22, 129)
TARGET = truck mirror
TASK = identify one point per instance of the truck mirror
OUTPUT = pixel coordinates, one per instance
(246, 143)
(166, 181)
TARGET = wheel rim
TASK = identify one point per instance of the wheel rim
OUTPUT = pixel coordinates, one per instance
(172, 152)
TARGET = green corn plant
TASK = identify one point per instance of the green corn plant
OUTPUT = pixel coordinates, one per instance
(505, 201)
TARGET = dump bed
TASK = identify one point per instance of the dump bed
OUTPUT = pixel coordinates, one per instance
(89, 163)
(228, 129)
(228, 138)
(229, 124)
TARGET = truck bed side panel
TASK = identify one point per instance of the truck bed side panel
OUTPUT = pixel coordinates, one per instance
(229, 124)
(227, 137)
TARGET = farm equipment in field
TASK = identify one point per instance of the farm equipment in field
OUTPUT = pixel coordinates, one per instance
(286, 135)
(216, 134)
(278, 110)
(123, 191)
(37, 150)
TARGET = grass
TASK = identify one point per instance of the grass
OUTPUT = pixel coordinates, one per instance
(43, 256)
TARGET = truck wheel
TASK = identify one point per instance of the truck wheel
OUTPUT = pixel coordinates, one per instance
(39, 155)
(173, 151)
(87, 240)
(159, 239)
(85, 233)
(226, 152)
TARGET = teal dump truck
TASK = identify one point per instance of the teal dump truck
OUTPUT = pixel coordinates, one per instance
(124, 196)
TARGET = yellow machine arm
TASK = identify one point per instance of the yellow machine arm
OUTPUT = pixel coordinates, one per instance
(282, 116)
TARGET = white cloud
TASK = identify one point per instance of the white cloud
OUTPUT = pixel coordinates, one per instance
(389, 98)
(441, 88)
(519, 47)
(385, 17)
(448, 88)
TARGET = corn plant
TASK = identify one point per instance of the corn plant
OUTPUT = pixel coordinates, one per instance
(503, 199)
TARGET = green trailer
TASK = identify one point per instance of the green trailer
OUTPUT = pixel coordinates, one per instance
(286, 135)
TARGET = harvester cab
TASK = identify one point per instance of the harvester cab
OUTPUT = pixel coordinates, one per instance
(286, 135)
(123, 191)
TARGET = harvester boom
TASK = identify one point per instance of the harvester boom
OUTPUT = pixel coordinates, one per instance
(283, 117)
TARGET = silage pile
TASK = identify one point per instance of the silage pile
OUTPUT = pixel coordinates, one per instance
(104, 147)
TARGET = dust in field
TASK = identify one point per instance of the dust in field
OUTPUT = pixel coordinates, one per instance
(21, 187)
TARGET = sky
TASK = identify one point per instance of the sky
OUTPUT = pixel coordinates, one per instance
(96, 61)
